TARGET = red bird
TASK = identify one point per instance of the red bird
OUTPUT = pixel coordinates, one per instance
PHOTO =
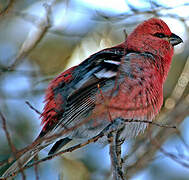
(108, 90)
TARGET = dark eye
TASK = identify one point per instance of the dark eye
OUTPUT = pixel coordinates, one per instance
(160, 35)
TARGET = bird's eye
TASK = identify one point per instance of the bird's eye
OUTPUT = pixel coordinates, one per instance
(160, 35)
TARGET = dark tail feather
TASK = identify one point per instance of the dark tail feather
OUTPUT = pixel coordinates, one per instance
(23, 160)
(29, 155)
(59, 144)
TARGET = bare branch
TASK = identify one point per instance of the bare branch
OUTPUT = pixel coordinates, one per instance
(8, 8)
(28, 103)
(10, 143)
(36, 168)
(7, 133)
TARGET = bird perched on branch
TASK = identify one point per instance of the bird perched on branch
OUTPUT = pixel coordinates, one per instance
(112, 95)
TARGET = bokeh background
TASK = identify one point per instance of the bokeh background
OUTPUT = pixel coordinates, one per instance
(39, 39)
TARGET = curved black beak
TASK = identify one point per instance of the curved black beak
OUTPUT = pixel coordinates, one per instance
(174, 39)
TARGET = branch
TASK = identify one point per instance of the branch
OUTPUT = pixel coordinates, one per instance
(34, 37)
(10, 143)
(145, 150)
(28, 103)
(8, 8)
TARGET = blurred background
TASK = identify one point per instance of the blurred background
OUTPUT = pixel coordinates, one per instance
(39, 39)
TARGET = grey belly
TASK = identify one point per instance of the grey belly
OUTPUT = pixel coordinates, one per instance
(131, 130)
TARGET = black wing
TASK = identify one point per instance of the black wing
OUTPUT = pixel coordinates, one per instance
(99, 69)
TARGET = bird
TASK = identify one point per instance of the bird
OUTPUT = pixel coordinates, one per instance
(112, 94)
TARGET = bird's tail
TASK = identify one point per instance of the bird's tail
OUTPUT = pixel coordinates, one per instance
(22, 160)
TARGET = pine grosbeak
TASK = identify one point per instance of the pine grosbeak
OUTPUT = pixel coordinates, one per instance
(117, 84)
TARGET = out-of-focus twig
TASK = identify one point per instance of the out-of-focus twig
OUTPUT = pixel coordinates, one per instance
(7, 8)
(34, 36)
(145, 151)
(174, 157)
(7, 133)
(13, 148)
(36, 168)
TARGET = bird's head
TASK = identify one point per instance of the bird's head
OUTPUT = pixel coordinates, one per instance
(153, 36)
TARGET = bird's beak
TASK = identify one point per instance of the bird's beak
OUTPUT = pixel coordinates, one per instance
(174, 39)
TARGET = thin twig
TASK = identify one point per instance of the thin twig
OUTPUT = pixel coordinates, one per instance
(144, 151)
(8, 8)
(7, 133)
(13, 148)
(34, 37)
(33, 108)
(36, 169)
(174, 157)
(153, 123)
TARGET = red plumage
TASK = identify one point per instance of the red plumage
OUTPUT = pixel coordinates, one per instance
(140, 97)
(123, 82)
(53, 104)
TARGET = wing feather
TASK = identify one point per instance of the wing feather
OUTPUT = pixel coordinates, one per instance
(71, 97)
